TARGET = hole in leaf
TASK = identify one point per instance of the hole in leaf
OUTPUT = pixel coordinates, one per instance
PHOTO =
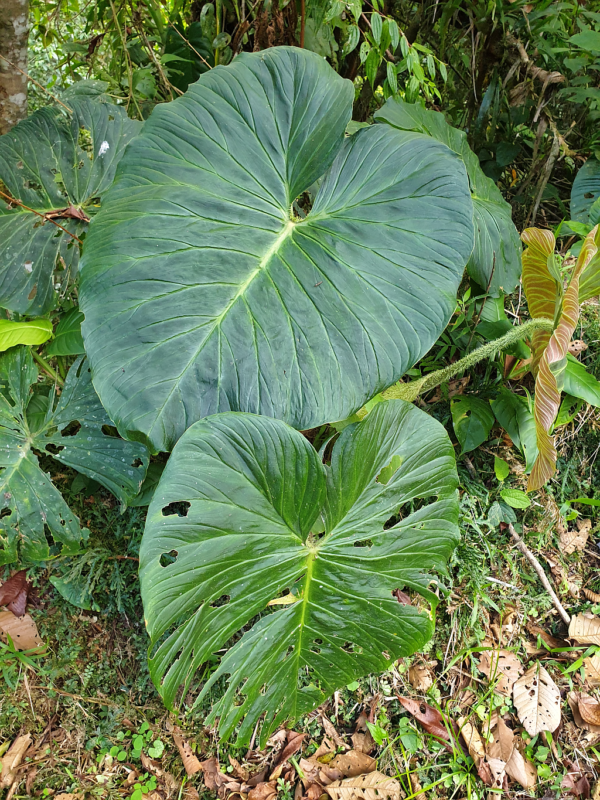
(222, 601)
(180, 508)
(168, 558)
(137, 462)
(110, 430)
(588, 195)
(6, 512)
(387, 473)
(54, 449)
(364, 543)
(72, 429)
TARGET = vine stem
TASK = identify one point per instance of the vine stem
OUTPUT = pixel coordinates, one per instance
(410, 391)
(47, 368)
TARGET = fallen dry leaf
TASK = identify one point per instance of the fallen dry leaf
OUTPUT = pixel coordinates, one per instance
(500, 739)
(421, 678)
(238, 771)
(577, 346)
(14, 592)
(325, 751)
(519, 768)
(575, 700)
(353, 763)
(417, 789)
(12, 758)
(575, 782)
(593, 596)
(585, 628)
(570, 541)
(210, 769)
(363, 742)
(22, 630)
(293, 744)
(263, 791)
(596, 792)
(537, 700)
(189, 793)
(472, 739)
(501, 667)
(551, 641)
(492, 772)
(430, 718)
(373, 786)
(68, 796)
(332, 733)
(191, 764)
(592, 670)
(589, 708)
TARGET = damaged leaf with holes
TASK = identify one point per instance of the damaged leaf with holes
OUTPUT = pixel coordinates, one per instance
(246, 514)
(57, 165)
(76, 431)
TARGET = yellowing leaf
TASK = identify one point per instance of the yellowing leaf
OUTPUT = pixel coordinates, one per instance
(539, 285)
(548, 383)
(284, 601)
(537, 700)
(13, 333)
(472, 739)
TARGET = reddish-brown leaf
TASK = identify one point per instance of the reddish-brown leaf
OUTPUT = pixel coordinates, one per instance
(14, 592)
(575, 782)
(431, 719)
(293, 744)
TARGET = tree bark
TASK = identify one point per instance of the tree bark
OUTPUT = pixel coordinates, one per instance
(14, 29)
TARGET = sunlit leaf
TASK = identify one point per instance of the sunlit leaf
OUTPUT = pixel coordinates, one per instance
(540, 287)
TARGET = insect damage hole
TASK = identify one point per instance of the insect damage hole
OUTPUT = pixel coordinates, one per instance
(179, 508)
(168, 558)
(72, 429)
(387, 473)
(221, 601)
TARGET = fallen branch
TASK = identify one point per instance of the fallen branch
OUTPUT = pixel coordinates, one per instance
(540, 572)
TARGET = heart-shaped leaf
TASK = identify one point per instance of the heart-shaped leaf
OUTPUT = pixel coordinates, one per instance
(68, 340)
(496, 257)
(71, 432)
(57, 165)
(472, 421)
(245, 512)
(203, 291)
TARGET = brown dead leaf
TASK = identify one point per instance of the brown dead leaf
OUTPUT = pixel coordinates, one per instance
(551, 641)
(592, 670)
(492, 772)
(455, 388)
(68, 796)
(325, 751)
(593, 596)
(353, 763)
(190, 762)
(238, 771)
(12, 758)
(537, 700)
(585, 628)
(210, 768)
(332, 733)
(421, 678)
(293, 744)
(596, 792)
(576, 782)
(521, 769)
(431, 719)
(571, 541)
(402, 597)
(472, 739)
(363, 742)
(577, 346)
(30, 779)
(14, 592)
(502, 668)
(417, 789)
(264, 791)
(589, 708)
(575, 699)
(374, 786)
(189, 793)
(500, 740)
(22, 630)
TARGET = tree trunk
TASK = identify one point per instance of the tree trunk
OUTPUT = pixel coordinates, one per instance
(14, 27)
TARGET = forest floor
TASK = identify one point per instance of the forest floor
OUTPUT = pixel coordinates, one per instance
(98, 729)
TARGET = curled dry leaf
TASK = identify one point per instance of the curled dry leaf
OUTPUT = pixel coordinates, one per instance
(585, 628)
(374, 786)
(293, 744)
(570, 541)
(363, 742)
(332, 733)
(502, 668)
(537, 700)
(263, 791)
(12, 759)
(592, 670)
(586, 711)
(472, 739)
(190, 762)
(492, 772)
(22, 630)
(421, 677)
(593, 596)
(576, 782)
(550, 641)
(500, 739)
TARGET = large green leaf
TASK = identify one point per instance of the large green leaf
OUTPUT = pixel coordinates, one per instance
(579, 383)
(55, 164)
(246, 513)
(189, 54)
(71, 432)
(513, 413)
(201, 294)
(585, 190)
(472, 421)
(35, 331)
(496, 257)
(67, 337)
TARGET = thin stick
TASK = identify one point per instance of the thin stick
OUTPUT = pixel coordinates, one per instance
(78, 696)
(39, 85)
(47, 368)
(190, 45)
(540, 572)
(13, 200)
